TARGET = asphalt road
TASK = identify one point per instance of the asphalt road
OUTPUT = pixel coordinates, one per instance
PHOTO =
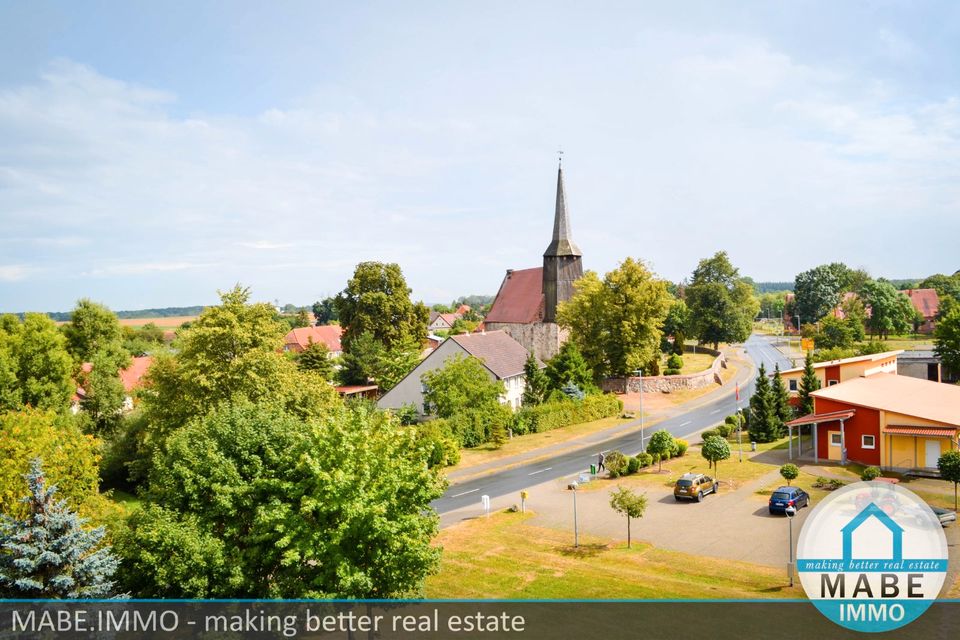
(573, 462)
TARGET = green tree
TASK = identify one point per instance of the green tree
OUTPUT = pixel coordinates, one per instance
(818, 291)
(789, 472)
(331, 507)
(946, 338)
(714, 450)
(855, 317)
(661, 446)
(94, 330)
(722, 305)
(104, 394)
(316, 358)
(809, 382)
(49, 553)
(626, 502)
(772, 304)
(325, 311)
(949, 466)
(781, 399)
(834, 334)
(376, 300)
(231, 353)
(569, 367)
(763, 425)
(890, 310)
(677, 324)
(10, 395)
(70, 457)
(943, 284)
(537, 383)
(616, 322)
(461, 384)
(42, 363)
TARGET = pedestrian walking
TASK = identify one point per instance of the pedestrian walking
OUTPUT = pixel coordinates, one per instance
(600, 459)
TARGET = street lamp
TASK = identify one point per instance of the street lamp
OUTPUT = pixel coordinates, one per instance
(639, 374)
(576, 527)
(790, 511)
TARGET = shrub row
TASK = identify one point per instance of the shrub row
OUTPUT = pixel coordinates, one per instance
(563, 413)
(618, 464)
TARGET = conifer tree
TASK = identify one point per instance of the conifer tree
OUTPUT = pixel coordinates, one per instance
(537, 383)
(763, 424)
(49, 554)
(316, 358)
(781, 397)
(808, 384)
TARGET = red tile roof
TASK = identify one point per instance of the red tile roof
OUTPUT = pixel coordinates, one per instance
(816, 418)
(520, 298)
(926, 301)
(131, 375)
(503, 355)
(906, 430)
(300, 338)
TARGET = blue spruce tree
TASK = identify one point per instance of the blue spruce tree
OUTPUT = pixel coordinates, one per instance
(49, 554)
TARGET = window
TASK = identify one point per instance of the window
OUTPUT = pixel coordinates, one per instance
(793, 385)
(868, 442)
(830, 383)
(835, 440)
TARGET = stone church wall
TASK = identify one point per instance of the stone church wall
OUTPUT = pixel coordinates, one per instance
(542, 338)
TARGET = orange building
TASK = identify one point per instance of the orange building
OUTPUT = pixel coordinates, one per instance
(834, 372)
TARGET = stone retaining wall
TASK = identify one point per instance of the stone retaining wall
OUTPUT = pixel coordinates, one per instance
(668, 384)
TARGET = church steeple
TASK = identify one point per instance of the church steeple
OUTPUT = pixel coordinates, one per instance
(562, 244)
(562, 262)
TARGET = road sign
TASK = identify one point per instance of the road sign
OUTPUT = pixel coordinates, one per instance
(806, 344)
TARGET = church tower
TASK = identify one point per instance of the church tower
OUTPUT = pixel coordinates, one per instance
(562, 261)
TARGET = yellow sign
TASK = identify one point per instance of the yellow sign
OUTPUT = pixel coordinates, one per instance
(806, 344)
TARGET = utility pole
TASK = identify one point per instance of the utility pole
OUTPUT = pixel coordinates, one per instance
(576, 526)
(643, 444)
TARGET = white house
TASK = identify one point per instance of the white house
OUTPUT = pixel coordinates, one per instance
(502, 356)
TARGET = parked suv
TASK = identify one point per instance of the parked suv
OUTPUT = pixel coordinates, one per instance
(693, 486)
(785, 497)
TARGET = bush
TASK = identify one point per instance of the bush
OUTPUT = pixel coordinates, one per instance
(731, 420)
(475, 427)
(408, 414)
(680, 447)
(556, 414)
(789, 472)
(671, 372)
(633, 465)
(436, 437)
(616, 464)
(709, 433)
(644, 460)
(674, 362)
(723, 430)
(870, 473)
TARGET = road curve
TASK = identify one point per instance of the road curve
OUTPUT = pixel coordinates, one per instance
(570, 463)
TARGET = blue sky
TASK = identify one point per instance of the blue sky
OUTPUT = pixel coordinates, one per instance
(152, 153)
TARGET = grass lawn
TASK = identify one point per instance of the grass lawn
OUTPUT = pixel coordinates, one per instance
(127, 500)
(502, 557)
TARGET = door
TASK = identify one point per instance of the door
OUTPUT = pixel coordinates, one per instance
(834, 445)
(931, 454)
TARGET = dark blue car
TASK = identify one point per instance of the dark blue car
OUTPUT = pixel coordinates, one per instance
(784, 497)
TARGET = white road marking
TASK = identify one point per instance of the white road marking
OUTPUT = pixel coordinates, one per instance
(541, 471)
(686, 423)
(464, 493)
(716, 411)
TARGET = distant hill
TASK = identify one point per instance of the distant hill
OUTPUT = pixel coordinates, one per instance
(766, 287)
(165, 312)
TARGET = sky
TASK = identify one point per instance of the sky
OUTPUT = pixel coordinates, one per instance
(154, 153)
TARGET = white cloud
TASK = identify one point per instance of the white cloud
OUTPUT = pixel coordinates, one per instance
(13, 272)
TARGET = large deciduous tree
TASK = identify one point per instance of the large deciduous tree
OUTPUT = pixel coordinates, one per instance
(616, 322)
(460, 385)
(722, 304)
(104, 394)
(274, 506)
(890, 310)
(94, 331)
(946, 337)
(817, 291)
(677, 325)
(38, 355)
(231, 353)
(376, 300)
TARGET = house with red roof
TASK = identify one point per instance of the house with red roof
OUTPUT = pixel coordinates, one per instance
(300, 338)
(927, 304)
(442, 321)
(131, 377)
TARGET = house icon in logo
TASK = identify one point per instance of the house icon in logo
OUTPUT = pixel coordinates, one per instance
(872, 511)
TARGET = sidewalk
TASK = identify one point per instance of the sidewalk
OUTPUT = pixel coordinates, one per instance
(743, 375)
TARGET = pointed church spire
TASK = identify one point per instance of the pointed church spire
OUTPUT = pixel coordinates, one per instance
(562, 244)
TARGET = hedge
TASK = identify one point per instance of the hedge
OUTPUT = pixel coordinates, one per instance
(563, 413)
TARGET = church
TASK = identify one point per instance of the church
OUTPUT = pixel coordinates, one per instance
(526, 304)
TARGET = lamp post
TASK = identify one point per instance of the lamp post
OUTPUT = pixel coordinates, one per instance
(643, 445)
(790, 511)
(576, 527)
